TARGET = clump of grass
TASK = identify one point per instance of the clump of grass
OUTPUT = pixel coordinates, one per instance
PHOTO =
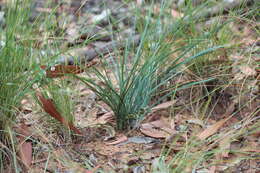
(139, 72)
(200, 155)
(16, 62)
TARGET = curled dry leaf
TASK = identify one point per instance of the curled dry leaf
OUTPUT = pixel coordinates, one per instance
(61, 70)
(49, 107)
(157, 129)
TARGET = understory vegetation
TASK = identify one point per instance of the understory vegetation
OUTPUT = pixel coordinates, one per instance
(129, 86)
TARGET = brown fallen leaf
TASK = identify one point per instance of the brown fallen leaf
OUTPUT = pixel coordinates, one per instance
(121, 138)
(157, 129)
(25, 152)
(25, 148)
(215, 127)
(49, 107)
(212, 129)
(61, 70)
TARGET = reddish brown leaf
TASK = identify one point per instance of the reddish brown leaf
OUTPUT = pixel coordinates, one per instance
(61, 70)
(49, 107)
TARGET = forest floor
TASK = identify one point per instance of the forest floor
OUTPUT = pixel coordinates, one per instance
(224, 118)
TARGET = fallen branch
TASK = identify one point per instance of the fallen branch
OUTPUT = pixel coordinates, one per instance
(90, 54)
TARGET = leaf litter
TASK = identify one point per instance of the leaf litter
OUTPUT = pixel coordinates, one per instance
(112, 151)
